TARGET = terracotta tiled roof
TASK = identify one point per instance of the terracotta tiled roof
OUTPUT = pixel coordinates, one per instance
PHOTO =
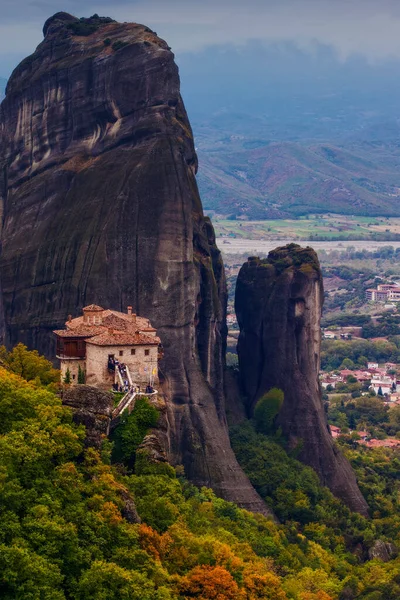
(124, 339)
(117, 322)
(116, 329)
(93, 307)
(83, 331)
(111, 318)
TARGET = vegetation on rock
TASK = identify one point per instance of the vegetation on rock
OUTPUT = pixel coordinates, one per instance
(131, 431)
(310, 513)
(86, 26)
(267, 409)
(63, 534)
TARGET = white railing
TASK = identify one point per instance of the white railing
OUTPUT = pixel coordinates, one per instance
(124, 403)
(129, 376)
(128, 402)
(121, 381)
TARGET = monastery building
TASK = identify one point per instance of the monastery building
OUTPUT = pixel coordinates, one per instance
(107, 348)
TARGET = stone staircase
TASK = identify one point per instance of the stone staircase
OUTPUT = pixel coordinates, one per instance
(127, 402)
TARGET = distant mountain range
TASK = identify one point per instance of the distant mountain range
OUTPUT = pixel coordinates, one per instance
(257, 179)
(280, 131)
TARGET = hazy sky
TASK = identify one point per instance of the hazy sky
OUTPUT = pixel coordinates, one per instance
(367, 27)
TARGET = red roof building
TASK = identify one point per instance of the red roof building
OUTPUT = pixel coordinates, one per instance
(107, 348)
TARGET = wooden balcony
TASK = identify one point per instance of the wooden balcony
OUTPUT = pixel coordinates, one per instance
(71, 348)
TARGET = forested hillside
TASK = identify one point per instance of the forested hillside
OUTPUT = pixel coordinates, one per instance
(69, 528)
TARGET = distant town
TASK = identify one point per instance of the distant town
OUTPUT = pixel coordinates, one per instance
(384, 292)
(382, 381)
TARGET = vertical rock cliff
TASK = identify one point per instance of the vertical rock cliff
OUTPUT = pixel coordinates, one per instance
(278, 305)
(100, 205)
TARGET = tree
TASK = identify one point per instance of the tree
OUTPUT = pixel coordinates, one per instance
(362, 361)
(106, 580)
(232, 359)
(29, 365)
(132, 430)
(81, 375)
(394, 416)
(267, 409)
(67, 378)
(347, 364)
(210, 583)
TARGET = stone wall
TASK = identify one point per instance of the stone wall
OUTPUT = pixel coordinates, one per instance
(139, 364)
(73, 366)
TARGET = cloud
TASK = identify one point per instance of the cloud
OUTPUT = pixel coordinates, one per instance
(367, 27)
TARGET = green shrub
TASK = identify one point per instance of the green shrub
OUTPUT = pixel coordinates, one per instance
(118, 45)
(82, 29)
(67, 378)
(81, 375)
(267, 409)
(131, 431)
(144, 466)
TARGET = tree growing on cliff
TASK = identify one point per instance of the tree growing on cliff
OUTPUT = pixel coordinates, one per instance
(81, 375)
(132, 430)
(267, 409)
(67, 378)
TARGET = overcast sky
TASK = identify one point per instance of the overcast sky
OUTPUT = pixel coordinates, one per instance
(367, 27)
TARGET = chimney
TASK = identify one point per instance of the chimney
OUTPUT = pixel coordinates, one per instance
(129, 310)
(133, 318)
(69, 318)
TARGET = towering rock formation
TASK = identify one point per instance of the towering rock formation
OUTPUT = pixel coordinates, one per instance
(97, 179)
(278, 305)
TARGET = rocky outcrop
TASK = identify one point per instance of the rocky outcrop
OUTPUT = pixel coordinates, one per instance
(93, 408)
(90, 407)
(278, 306)
(383, 551)
(97, 172)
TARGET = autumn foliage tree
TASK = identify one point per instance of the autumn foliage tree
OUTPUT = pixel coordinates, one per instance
(29, 364)
(210, 583)
(69, 526)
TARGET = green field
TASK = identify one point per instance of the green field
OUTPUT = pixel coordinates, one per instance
(324, 227)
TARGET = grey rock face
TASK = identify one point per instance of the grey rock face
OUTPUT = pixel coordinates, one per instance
(101, 205)
(91, 407)
(383, 551)
(278, 306)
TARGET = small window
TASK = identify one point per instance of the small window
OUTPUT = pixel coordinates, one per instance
(121, 352)
(73, 376)
(133, 351)
(146, 352)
